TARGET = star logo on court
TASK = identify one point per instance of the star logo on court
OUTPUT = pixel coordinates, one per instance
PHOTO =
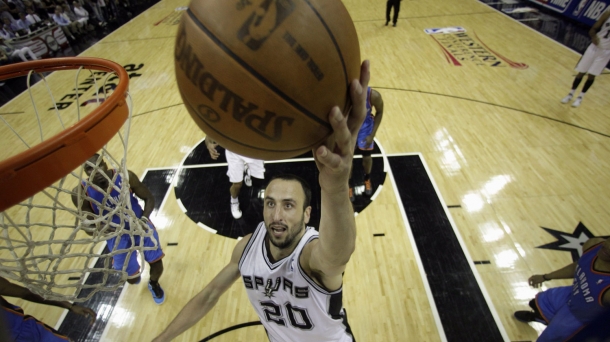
(569, 242)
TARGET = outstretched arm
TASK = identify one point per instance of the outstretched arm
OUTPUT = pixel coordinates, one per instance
(566, 272)
(377, 103)
(13, 290)
(142, 192)
(327, 256)
(205, 300)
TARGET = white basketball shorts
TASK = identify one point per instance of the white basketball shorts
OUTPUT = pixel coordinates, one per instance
(593, 61)
(237, 165)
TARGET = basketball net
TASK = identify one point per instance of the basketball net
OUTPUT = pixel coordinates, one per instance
(49, 244)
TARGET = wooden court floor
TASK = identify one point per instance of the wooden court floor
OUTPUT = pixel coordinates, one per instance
(506, 157)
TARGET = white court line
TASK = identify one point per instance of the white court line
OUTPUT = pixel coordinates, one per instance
(211, 230)
(420, 266)
(490, 304)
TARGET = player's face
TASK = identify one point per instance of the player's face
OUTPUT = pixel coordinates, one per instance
(98, 177)
(604, 252)
(284, 215)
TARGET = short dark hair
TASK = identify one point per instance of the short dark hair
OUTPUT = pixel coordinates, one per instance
(304, 185)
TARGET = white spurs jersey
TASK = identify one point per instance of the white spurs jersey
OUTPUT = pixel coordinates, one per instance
(604, 35)
(291, 306)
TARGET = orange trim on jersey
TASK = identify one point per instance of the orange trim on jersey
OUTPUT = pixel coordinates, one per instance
(540, 311)
(596, 271)
(590, 248)
(20, 313)
(157, 259)
(48, 328)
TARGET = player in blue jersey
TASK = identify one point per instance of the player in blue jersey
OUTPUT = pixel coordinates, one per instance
(568, 309)
(365, 143)
(101, 177)
(22, 327)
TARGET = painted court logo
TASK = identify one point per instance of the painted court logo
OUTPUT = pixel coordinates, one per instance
(459, 48)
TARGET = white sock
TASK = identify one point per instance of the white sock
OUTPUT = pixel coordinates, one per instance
(234, 200)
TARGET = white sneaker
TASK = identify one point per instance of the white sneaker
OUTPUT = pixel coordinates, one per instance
(566, 99)
(577, 102)
(247, 177)
(235, 211)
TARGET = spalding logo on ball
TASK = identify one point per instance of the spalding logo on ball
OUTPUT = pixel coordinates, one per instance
(261, 76)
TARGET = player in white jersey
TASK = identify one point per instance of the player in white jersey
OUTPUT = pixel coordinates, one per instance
(595, 58)
(293, 275)
(238, 165)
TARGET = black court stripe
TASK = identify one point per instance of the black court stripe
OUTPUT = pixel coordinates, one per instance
(332, 37)
(254, 73)
(461, 305)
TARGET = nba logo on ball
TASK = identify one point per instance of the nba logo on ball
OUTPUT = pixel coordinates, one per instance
(261, 76)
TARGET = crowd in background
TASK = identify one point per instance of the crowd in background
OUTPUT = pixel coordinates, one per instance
(78, 19)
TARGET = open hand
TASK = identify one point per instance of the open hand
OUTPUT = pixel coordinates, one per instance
(334, 157)
(84, 311)
(211, 145)
(536, 280)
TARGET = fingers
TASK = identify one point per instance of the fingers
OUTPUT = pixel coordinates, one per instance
(341, 140)
(358, 92)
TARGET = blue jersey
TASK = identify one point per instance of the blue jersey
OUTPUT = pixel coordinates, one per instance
(588, 288)
(112, 200)
(367, 126)
(369, 121)
(25, 328)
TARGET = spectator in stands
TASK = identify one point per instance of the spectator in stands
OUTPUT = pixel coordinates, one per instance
(12, 52)
(70, 28)
(33, 18)
(6, 32)
(82, 15)
(22, 23)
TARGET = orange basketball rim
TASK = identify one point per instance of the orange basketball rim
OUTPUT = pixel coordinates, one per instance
(27, 173)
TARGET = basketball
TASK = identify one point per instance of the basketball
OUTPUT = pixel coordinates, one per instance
(261, 76)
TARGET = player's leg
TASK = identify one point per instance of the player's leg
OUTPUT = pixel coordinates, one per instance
(255, 170)
(575, 84)
(128, 258)
(236, 177)
(600, 60)
(546, 305)
(396, 10)
(561, 327)
(154, 259)
(367, 164)
(582, 68)
(388, 9)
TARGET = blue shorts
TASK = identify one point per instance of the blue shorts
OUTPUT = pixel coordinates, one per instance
(24, 328)
(133, 267)
(365, 130)
(553, 306)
